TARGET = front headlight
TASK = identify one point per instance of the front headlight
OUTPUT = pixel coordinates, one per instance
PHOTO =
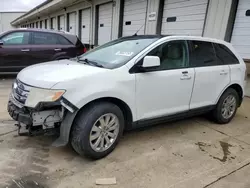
(37, 95)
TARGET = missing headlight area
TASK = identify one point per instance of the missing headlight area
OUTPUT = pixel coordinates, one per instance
(36, 110)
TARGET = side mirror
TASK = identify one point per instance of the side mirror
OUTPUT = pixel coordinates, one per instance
(151, 61)
(1, 42)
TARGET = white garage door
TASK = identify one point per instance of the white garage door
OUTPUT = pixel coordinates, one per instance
(134, 17)
(43, 24)
(105, 23)
(85, 26)
(184, 17)
(53, 24)
(62, 23)
(241, 32)
(72, 23)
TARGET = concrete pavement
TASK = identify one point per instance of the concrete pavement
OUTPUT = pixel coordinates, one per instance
(189, 153)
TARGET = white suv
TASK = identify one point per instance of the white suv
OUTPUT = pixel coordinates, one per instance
(129, 82)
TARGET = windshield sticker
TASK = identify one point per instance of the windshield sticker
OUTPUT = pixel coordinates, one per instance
(124, 53)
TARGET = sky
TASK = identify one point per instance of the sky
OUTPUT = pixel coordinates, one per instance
(18, 5)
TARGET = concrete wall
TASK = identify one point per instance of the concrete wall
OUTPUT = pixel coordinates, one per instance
(6, 18)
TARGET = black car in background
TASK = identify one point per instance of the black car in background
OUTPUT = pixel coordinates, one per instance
(23, 47)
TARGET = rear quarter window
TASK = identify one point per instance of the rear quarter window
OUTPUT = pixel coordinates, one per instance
(62, 40)
(225, 55)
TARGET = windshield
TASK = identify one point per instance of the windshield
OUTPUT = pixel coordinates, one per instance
(118, 52)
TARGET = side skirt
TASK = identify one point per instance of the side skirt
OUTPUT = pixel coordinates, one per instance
(174, 117)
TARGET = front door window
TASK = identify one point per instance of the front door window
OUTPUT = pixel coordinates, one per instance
(173, 55)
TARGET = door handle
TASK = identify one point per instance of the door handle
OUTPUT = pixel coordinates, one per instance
(185, 77)
(57, 49)
(25, 50)
(223, 73)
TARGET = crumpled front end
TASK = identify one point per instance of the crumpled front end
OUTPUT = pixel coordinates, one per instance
(37, 117)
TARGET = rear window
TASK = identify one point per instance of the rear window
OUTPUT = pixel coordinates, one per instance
(224, 55)
(202, 54)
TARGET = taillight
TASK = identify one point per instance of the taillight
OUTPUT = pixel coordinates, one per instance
(84, 50)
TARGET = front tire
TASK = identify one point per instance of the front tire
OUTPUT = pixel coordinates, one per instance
(226, 107)
(97, 130)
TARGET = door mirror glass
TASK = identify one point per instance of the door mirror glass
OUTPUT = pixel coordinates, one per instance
(151, 61)
(1, 42)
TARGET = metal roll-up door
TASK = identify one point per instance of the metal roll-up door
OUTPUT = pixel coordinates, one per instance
(134, 17)
(186, 17)
(62, 23)
(105, 23)
(53, 24)
(72, 23)
(85, 26)
(43, 24)
(241, 31)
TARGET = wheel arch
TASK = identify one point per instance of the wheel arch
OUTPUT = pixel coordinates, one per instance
(66, 126)
(237, 87)
(128, 116)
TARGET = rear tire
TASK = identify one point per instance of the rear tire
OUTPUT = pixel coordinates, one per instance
(94, 133)
(226, 107)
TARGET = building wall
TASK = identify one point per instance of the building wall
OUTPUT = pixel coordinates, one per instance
(6, 18)
(216, 22)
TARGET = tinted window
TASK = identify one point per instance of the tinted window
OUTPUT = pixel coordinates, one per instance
(224, 55)
(202, 54)
(173, 55)
(44, 38)
(15, 38)
(63, 40)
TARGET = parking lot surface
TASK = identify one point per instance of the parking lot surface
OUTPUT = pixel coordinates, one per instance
(189, 153)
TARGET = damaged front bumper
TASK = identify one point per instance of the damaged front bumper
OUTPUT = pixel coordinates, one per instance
(45, 118)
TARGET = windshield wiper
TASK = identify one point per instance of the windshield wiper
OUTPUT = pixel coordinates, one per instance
(89, 62)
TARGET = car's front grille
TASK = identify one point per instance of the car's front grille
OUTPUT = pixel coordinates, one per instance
(20, 91)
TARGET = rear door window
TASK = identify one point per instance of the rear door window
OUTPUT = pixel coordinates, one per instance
(42, 38)
(202, 54)
(224, 55)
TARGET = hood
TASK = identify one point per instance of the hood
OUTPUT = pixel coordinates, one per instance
(46, 75)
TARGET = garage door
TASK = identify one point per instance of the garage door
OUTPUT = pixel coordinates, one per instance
(85, 26)
(241, 32)
(105, 23)
(72, 23)
(62, 23)
(53, 23)
(134, 17)
(184, 17)
(43, 24)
